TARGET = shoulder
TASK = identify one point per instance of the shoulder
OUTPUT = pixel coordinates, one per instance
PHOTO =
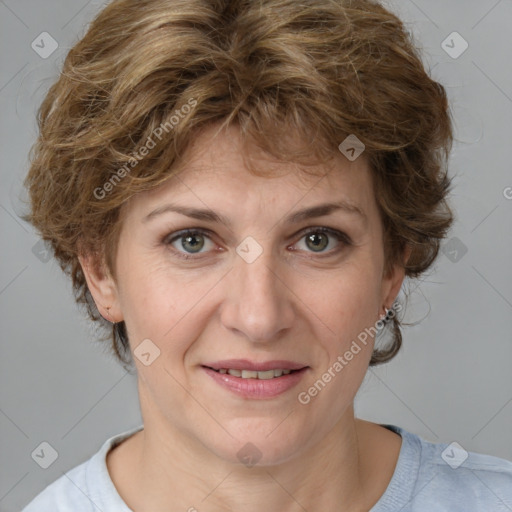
(480, 482)
(65, 493)
(446, 477)
(86, 487)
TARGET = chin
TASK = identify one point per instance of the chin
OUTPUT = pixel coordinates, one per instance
(263, 446)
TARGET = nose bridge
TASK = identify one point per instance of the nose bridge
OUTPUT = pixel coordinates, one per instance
(258, 304)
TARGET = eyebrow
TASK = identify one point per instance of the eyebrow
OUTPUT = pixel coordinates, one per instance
(206, 214)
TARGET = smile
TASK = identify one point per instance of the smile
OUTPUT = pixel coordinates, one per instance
(250, 374)
(256, 384)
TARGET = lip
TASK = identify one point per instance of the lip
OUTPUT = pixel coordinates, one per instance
(245, 364)
(257, 388)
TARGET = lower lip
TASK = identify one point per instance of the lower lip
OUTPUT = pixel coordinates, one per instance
(256, 388)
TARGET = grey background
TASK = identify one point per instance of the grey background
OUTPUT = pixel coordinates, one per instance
(452, 380)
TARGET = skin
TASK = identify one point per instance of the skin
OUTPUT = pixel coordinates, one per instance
(293, 302)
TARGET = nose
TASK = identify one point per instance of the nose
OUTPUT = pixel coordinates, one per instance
(258, 303)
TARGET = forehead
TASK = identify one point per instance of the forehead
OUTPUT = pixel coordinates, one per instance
(218, 169)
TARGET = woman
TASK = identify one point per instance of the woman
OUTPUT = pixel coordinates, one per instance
(240, 189)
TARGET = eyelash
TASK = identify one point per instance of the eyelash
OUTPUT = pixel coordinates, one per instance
(338, 235)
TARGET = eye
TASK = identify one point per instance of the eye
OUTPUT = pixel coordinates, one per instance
(190, 242)
(318, 239)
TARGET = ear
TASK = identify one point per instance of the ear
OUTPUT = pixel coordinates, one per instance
(102, 286)
(391, 284)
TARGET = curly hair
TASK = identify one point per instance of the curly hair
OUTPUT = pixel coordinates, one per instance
(323, 69)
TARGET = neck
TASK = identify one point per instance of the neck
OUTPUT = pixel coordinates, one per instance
(169, 469)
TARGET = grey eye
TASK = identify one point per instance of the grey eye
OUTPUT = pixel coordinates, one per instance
(192, 243)
(317, 241)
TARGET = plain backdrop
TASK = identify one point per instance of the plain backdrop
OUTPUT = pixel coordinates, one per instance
(452, 380)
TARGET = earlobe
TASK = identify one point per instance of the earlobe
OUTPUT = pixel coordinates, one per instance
(396, 279)
(102, 286)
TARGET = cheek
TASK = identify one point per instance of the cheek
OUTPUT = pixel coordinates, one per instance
(344, 348)
(142, 289)
(345, 303)
(163, 304)
(347, 309)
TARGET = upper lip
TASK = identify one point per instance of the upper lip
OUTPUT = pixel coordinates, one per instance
(245, 364)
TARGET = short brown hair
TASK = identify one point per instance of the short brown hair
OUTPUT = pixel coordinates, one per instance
(323, 68)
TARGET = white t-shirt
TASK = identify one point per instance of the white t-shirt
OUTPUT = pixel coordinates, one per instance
(428, 477)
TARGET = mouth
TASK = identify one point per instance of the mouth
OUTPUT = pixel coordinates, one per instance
(252, 380)
(251, 374)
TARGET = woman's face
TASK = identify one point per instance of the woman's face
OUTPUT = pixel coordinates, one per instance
(268, 282)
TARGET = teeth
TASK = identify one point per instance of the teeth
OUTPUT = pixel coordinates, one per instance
(250, 374)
